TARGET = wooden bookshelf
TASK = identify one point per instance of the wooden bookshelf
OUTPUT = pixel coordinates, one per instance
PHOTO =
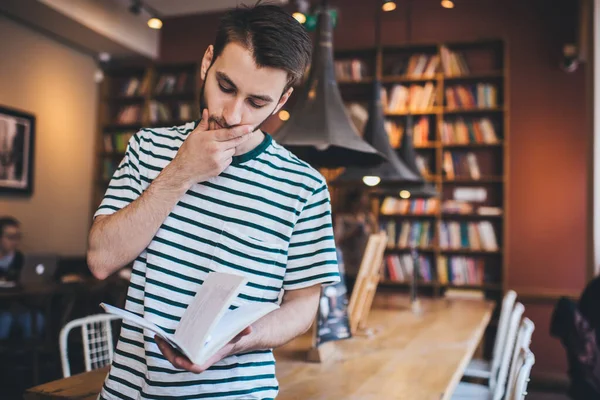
(465, 116)
(155, 95)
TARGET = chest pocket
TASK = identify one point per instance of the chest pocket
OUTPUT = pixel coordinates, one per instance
(263, 263)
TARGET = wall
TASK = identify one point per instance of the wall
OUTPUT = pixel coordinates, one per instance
(55, 83)
(547, 217)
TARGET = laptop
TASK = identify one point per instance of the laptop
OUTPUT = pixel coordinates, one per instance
(38, 269)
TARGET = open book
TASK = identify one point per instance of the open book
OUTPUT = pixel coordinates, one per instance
(207, 324)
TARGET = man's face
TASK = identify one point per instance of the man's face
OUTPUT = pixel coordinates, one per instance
(10, 240)
(236, 92)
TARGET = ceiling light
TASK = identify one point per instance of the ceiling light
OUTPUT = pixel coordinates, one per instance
(284, 115)
(447, 4)
(299, 17)
(388, 6)
(371, 180)
(405, 194)
(155, 23)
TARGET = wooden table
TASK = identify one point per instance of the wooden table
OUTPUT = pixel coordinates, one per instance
(409, 357)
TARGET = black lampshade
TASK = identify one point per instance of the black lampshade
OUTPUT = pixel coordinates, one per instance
(394, 170)
(409, 156)
(319, 130)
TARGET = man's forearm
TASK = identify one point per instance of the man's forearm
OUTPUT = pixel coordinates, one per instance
(292, 319)
(119, 238)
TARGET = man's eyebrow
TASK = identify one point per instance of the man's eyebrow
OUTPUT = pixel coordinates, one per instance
(223, 76)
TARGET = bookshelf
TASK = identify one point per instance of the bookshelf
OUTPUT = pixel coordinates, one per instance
(455, 96)
(135, 97)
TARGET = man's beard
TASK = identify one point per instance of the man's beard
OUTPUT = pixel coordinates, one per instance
(219, 120)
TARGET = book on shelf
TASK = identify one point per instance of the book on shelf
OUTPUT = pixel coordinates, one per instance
(117, 142)
(135, 86)
(422, 66)
(396, 206)
(464, 294)
(470, 235)
(162, 112)
(460, 270)
(420, 128)
(478, 95)
(208, 322)
(456, 164)
(129, 114)
(351, 69)
(173, 83)
(453, 62)
(411, 98)
(450, 206)
(410, 233)
(472, 131)
(400, 268)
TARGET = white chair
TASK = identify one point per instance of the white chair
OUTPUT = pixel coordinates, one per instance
(519, 389)
(96, 334)
(521, 349)
(479, 368)
(496, 390)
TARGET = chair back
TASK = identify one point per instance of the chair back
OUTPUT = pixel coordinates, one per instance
(524, 363)
(96, 335)
(522, 346)
(508, 304)
(499, 387)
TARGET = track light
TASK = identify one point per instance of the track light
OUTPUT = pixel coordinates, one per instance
(303, 9)
(155, 23)
(447, 4)
(388, 5)
(298, 16)
(137, 6)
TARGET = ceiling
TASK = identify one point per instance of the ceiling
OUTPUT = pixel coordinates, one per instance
(172, 8)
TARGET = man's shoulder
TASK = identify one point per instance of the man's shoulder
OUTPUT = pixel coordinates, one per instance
(287, 158)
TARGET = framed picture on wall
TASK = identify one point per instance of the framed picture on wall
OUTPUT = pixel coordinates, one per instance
(17, 132)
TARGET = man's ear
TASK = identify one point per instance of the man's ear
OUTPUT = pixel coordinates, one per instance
(206, 62)
(284, 98)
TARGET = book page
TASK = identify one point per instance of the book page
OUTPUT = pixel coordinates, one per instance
(211, 301)
(141, 322)
(233, 322)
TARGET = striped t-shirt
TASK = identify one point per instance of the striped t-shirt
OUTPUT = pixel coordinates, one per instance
(267, 217)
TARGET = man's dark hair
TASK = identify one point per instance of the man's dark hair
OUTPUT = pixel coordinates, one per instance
(7, 221)
(273, 36)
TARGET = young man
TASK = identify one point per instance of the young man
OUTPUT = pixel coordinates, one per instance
(218, 195)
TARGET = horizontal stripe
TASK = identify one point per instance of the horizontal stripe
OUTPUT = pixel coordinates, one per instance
(251, 196)
(212, 395)
(226, 234)
(314, 253)
(311, 278)
(311, 242)
(234, 206)
(312, 218)
(260, 185)
(311, 230)
(222, 246)
(117, 394)
(313, 265)
(275, 178)
(291, 171)
(235, 220)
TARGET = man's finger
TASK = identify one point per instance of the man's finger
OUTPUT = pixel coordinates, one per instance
(223, 135)
(175, 358)
(233, 143)
(203, 125)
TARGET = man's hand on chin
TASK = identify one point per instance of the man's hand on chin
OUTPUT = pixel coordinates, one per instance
(182, 362)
